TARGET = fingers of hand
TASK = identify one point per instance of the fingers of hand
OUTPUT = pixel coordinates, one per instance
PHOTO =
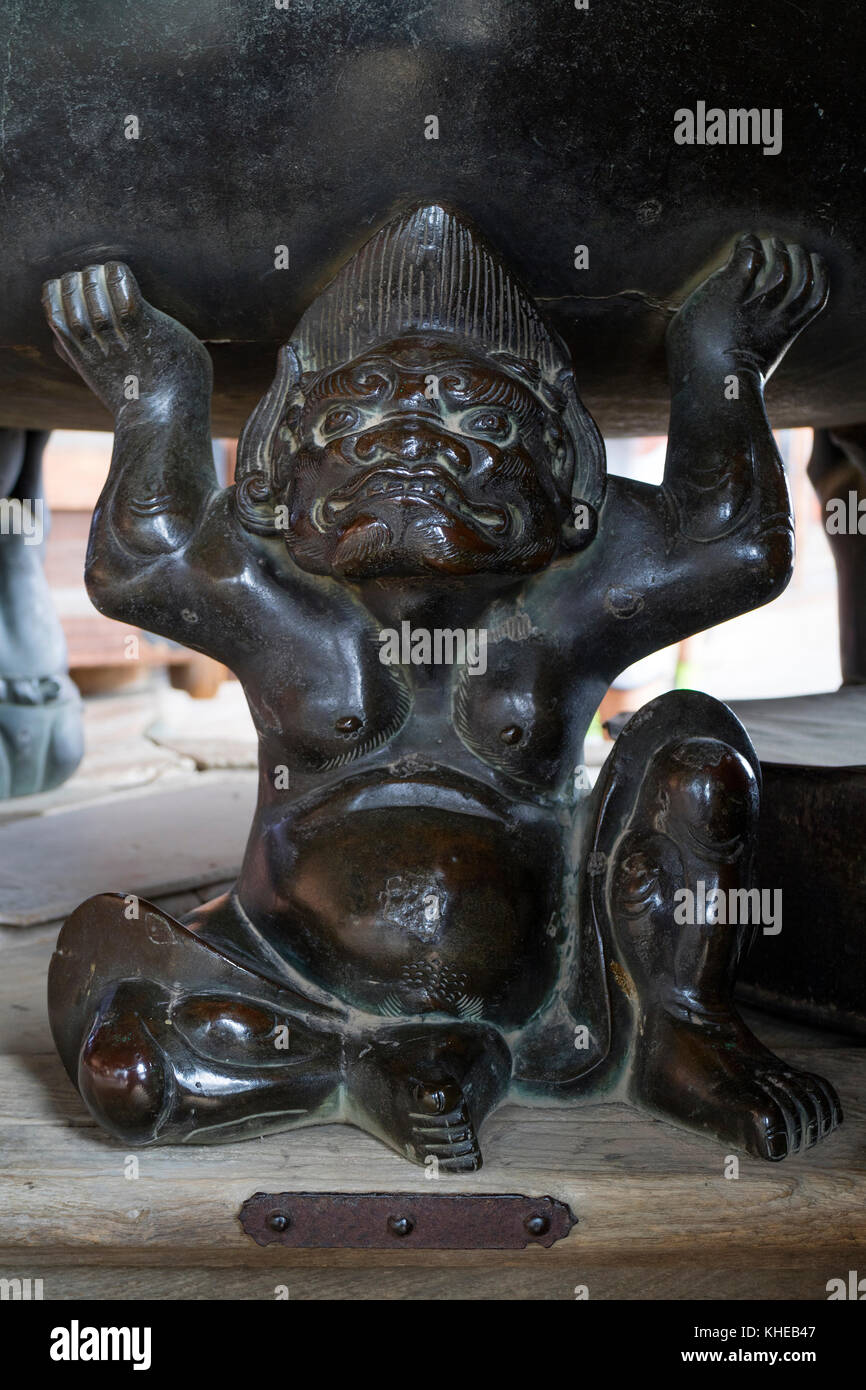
(747, 258)
(123, 289)
(792, 279)
(819, 290)
(90, 309)
(774, 283)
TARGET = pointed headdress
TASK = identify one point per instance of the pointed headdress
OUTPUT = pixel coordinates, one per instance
(427, 271)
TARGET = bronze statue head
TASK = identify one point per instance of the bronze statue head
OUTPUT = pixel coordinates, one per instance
(424, 420)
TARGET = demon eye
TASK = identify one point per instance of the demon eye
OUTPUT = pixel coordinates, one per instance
(453, 383)
(339, 420)
(369, 382)
(493, 424)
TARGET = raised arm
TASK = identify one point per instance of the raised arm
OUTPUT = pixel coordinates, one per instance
(155, 378)
(729, 514)
(716, 539)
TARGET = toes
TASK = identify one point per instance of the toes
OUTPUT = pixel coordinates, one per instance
(799, 1109)
(826, 1099)
(788, 1113)
(769, 1133)
(810, 1103)
(812, 1097)
(818, 1096)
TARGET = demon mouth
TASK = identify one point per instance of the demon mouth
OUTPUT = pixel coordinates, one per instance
(430, 487)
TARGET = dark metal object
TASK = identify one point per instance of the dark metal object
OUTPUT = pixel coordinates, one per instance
(432, 912)
(412, 1220)
(305, 126)
(41, 736)
(813, 818)
(811, 832)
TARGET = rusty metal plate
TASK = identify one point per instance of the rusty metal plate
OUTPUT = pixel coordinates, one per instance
(420, 1221)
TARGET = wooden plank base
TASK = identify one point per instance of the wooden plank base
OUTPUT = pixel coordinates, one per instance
(657, 1218)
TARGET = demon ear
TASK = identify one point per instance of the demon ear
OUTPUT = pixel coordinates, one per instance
(258, 489)
(589, 464)
(584, 461)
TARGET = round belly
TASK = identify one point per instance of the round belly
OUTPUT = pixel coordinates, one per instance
(415, 910)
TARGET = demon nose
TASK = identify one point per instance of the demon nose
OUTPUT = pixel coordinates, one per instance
(412, 442)
(403, 441)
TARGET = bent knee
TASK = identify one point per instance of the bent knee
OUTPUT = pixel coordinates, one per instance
(123, 1076)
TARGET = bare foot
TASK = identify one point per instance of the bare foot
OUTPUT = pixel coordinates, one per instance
(711, 1074)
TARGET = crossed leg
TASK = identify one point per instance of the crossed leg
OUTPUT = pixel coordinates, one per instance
(171, 1040)
(201, 1068)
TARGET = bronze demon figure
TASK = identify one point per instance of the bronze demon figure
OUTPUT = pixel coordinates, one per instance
(434, 910)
